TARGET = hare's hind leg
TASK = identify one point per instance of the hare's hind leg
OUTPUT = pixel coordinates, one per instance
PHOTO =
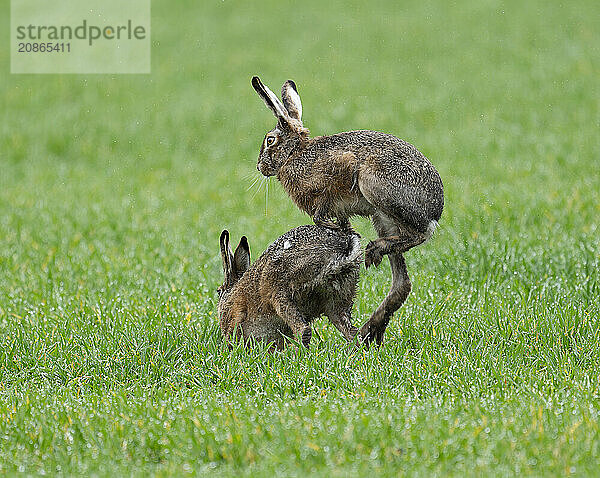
(389, 245)
(401, 216)
(291, 315)
(395, 237)
(392, 240)
(374, 328)
(343, 322)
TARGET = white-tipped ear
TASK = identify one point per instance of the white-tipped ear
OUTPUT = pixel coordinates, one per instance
(291, 100)
(270, 99)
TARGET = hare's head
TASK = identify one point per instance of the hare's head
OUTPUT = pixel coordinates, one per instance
(289, 133)
(234, 264)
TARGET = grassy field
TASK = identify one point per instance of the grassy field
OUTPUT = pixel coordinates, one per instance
(114, 189)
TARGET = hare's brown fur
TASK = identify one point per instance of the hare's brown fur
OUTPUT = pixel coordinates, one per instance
(364, 173)
(308, 272)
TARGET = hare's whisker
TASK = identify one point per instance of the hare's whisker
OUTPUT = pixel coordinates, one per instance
(249, 175)
(256, 178)
(260, 185)
(267, 198)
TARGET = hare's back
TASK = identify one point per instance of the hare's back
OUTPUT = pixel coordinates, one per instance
(386, 157)
(309, 252)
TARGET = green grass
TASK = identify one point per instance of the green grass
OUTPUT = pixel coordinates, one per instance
(114, 189)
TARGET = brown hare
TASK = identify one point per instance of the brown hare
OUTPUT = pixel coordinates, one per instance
(307, 272)
(356, 173)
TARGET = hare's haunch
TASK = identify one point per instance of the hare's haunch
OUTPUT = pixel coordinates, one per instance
(356, 173)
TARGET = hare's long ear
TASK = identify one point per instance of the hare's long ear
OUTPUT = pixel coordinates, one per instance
(226, 255)
(270, 99)
(291, 100)
(241, 257)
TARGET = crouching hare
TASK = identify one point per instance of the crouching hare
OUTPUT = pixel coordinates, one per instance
(307, 272)
(356, 173)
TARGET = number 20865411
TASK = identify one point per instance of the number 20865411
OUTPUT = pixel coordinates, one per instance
(47, 47)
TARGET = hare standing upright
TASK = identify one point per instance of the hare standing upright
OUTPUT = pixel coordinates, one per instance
(307, 272)
(364, 173)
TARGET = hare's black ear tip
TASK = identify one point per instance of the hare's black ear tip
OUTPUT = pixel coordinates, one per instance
(224, 234)
(244, 243)
(255, 81)
(292, 84)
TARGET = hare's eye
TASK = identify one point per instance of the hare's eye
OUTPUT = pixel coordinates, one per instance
(270, 140)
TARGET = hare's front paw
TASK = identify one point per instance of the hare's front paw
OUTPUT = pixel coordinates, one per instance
(373, 254)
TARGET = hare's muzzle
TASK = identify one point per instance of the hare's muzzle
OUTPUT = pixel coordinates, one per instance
(264, 169)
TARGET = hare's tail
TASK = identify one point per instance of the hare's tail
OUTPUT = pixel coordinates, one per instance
(345, 259)
(421, 238)
(354, 250)
(431, 228)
